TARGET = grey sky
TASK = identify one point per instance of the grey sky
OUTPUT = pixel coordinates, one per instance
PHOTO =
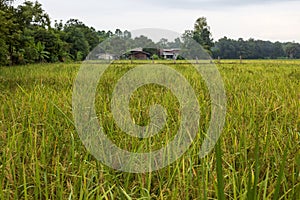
(210, 4)
(260, 19)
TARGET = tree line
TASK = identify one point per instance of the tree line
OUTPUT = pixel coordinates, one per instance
(28, 36)
(255, 49)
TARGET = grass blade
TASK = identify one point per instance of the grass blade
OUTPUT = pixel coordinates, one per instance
(221, 195)
(280, 176)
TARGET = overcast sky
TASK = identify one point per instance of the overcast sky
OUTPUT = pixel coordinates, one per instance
(260, 19)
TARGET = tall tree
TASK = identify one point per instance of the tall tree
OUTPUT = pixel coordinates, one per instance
(90, 34)
(202, 34)
(118, 33)
(127, 34)
(31, 14)
(10, 33)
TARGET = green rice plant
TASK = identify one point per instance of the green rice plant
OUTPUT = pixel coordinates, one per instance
(257, 156)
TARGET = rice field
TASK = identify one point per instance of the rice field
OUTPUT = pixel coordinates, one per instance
(256, 157)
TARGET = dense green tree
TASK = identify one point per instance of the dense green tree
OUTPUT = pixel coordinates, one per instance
(81, 38)
(118, 33)
(37, 35)
(52, 43)
(28, 47)
(252, 49)
(26, 36)
(127, 34)
(190, 48)
(292, 50)
(202, 34)
(102, 36)
(4, 30)
(277, 51)
(79, 46)
(226, 48)
(11, 33)
(143, 41)
(175, 44)
(18, 26)
(30, 14)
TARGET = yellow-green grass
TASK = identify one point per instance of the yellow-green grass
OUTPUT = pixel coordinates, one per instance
(257, 157)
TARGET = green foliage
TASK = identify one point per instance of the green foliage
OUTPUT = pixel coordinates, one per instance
(254, 49)
(292, 50)
(257, 156)
(201, 34)
(3, 52)
(144, 42)
(220, 178)
(74, 27)
(155, 57)
(42, 54)
(26, 36)
(31, 15)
